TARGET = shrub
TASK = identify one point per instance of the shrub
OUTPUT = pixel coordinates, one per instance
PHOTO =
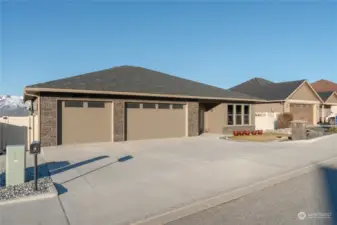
(332, 130)
(284, 119)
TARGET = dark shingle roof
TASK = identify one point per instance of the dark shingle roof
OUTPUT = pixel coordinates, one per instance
(267, 90)
(139, 80)
(262, 81)
(325, 95)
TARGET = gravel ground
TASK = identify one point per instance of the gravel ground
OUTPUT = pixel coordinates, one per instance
(25, 189)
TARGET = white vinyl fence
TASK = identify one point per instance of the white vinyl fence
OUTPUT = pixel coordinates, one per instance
(265, 120)
(18, 130)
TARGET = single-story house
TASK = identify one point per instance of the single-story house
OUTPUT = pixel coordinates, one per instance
(297, 97)
(329, 100)
(132, 103)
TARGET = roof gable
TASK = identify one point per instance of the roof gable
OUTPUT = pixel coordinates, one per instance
(329, 97)
(325, 95)
(138, 80)
(332, 99)
(305, 92)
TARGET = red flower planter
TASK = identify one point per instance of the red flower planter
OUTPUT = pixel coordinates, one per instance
(260, 132)
(247, 132)
(254, 132)
(242, 132)
(235, 133)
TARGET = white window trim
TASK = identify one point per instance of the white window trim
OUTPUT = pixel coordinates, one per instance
(242, 115)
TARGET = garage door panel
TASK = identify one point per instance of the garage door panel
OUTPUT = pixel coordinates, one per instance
(85, 125)
(155, 123)
(302, 112)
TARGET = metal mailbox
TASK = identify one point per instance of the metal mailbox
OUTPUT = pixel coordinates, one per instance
(35, 147)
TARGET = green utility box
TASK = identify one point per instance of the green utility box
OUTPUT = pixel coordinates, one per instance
(15, 164)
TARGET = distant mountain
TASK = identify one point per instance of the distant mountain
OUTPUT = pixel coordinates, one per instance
(12, 106)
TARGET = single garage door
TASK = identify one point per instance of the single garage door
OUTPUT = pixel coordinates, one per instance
(155, 120)
(302, 112)
(84, 122)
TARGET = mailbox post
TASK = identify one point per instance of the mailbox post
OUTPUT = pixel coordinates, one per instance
(35, 149)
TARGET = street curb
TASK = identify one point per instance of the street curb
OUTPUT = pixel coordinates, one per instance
(52, 193)
(289, 142)
(228, 196)
(311, 140)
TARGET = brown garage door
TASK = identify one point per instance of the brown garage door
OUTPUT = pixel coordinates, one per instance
(302, 112)
(84, 122)
(151, 120)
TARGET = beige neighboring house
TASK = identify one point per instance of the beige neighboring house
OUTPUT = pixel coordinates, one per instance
(328, 110)
(297, 97)
(133, 103)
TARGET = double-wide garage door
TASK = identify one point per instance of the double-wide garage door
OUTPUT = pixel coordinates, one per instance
(302, 112)
(84, 122)
(155, 120)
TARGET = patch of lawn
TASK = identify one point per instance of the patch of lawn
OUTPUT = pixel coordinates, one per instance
(261, 138)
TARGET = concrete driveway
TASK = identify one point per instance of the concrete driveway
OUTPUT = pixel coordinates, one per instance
(162, 175)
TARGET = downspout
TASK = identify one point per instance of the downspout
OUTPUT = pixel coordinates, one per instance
(33, 128)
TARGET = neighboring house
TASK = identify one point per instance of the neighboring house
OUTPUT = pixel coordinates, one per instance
(329, 100)
(324, 86)
(297, 97)
(132, 103)
(326, 89)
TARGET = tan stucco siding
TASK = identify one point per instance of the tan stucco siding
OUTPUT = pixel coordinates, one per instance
(315, 109)
(85, 125)
(304, 93)
(286, 107)
(216, 118)
(155, 123)
(269, 107)
(332, 99)
(252, 115)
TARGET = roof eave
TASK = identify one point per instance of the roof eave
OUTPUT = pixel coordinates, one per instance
(57, 90)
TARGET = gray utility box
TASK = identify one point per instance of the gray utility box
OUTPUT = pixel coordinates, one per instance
(298, 130)
(15, 164)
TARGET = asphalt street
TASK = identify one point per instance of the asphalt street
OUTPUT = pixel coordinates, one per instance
(299, 201)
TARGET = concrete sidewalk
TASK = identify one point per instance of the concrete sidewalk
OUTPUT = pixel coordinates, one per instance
(164, 175)
(46, 211)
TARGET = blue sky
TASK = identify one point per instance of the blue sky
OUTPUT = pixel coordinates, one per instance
(221, 43)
